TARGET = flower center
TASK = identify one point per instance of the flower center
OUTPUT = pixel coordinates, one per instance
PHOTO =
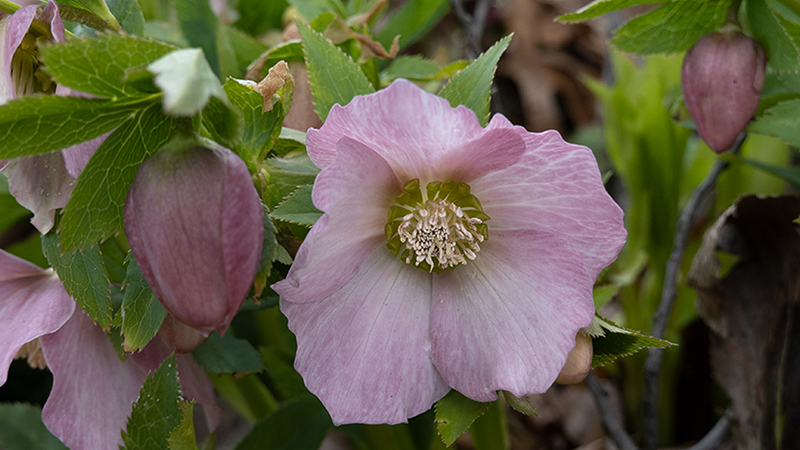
(437, 228)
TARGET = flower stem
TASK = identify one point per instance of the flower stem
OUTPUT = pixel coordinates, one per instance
(8, 6)
(490, 431)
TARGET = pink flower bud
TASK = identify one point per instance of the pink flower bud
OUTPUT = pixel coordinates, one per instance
(195, 225)
(722, 77)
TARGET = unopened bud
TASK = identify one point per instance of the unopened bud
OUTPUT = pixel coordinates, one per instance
(722, 77)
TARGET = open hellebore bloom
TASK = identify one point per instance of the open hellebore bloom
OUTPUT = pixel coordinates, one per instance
(448, 256)
(195, 225)
(93, 391)
(722, 77)
(40, 183)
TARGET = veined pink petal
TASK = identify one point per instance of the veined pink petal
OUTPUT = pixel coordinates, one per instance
(508, 319)
(41, 184)
(355, 192)
(32, 303)
(408, 127)
(93, 391)
(52, 17)
(364, 350)
(555, 188)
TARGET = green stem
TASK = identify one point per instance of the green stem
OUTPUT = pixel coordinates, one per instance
(490, 431)
(8, 6)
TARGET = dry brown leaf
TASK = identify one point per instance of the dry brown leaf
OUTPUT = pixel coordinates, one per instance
(272, 83)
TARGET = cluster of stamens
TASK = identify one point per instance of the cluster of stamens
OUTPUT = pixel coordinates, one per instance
(437, 228)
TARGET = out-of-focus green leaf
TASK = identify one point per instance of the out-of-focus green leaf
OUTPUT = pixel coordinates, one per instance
(779, 36)
(414, 19)
(310, 9)
(298, 208)
(599, 7)
(454, 415)
(672, 27)
(83, 275)
(246, 49)
(228, 354)
(279, 367)
(129, 15)
(94, 211)
(334, 76)
(142, 313)
(603, 294)
(299, 424)
(21, 428)
(156, 412)
(789, 174)
(472, 87)
(199, 25)
(258, 16)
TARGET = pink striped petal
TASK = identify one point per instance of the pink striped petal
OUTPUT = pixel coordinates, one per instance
(508, 319)
(364, 350)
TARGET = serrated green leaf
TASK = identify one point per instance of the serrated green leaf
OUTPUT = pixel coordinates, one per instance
(35, 125)
(94, 211)
(522, 405)
(298, 208)
(289, 141)
(199, 25)
(186, 80)
(83, 275)
(414, 19)
(672, 27)
(142, 313)
(129, 15)
(779, 36)
(228, 354)
(599, 7)
(183, 437)
(454, 415)
(100, 65)
(260, 128)
(156, 412)
(472, 87)
(300, 424)
(615, 341)
(780, 121)
(21, 428)
(334, 76)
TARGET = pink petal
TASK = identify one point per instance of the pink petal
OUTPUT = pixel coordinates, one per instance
(93, 391)
(364, 350)
(508, 320)
(32, 303)
(52, 17)
(355, 193)
(12, 29)
(409, 127)
(41, 184)
(555, 188)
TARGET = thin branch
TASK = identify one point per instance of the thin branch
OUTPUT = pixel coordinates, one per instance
(652, 367)
(473, 25)
(717, 434)
(608, 416)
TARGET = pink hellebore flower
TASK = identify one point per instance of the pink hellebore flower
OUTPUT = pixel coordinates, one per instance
(195, 225)
(510, 229)
(93, 391)
(40, 183)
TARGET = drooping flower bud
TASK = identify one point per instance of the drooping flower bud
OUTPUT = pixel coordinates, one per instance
(722, 77)
(195, 225)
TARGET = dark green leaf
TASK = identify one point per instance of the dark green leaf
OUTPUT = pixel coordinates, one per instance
(182, 437)
(286, 174)
(157, 412)
(12, 211)
(780, 121)
(21, 428)
(94, 211)
(414, 19)
(454, 415)
(142, 313)
(129, 15)
(672, 27)
(260, 128)
(100, 65)
(114, 256)
(35, 125)
(83, 275)
(780, 37)
(258, 16)
(199, 25)
(599, 7)
(268, 254)
(298, 208)
(611, 341)
(279, 367)
(334, 76)
(472, 86)
(228, 354)
(222, 122)
(300, 424)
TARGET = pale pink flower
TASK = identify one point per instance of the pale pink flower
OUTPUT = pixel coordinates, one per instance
(380, 340)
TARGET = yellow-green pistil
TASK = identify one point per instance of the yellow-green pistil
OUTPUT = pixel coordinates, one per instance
(436, 228)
